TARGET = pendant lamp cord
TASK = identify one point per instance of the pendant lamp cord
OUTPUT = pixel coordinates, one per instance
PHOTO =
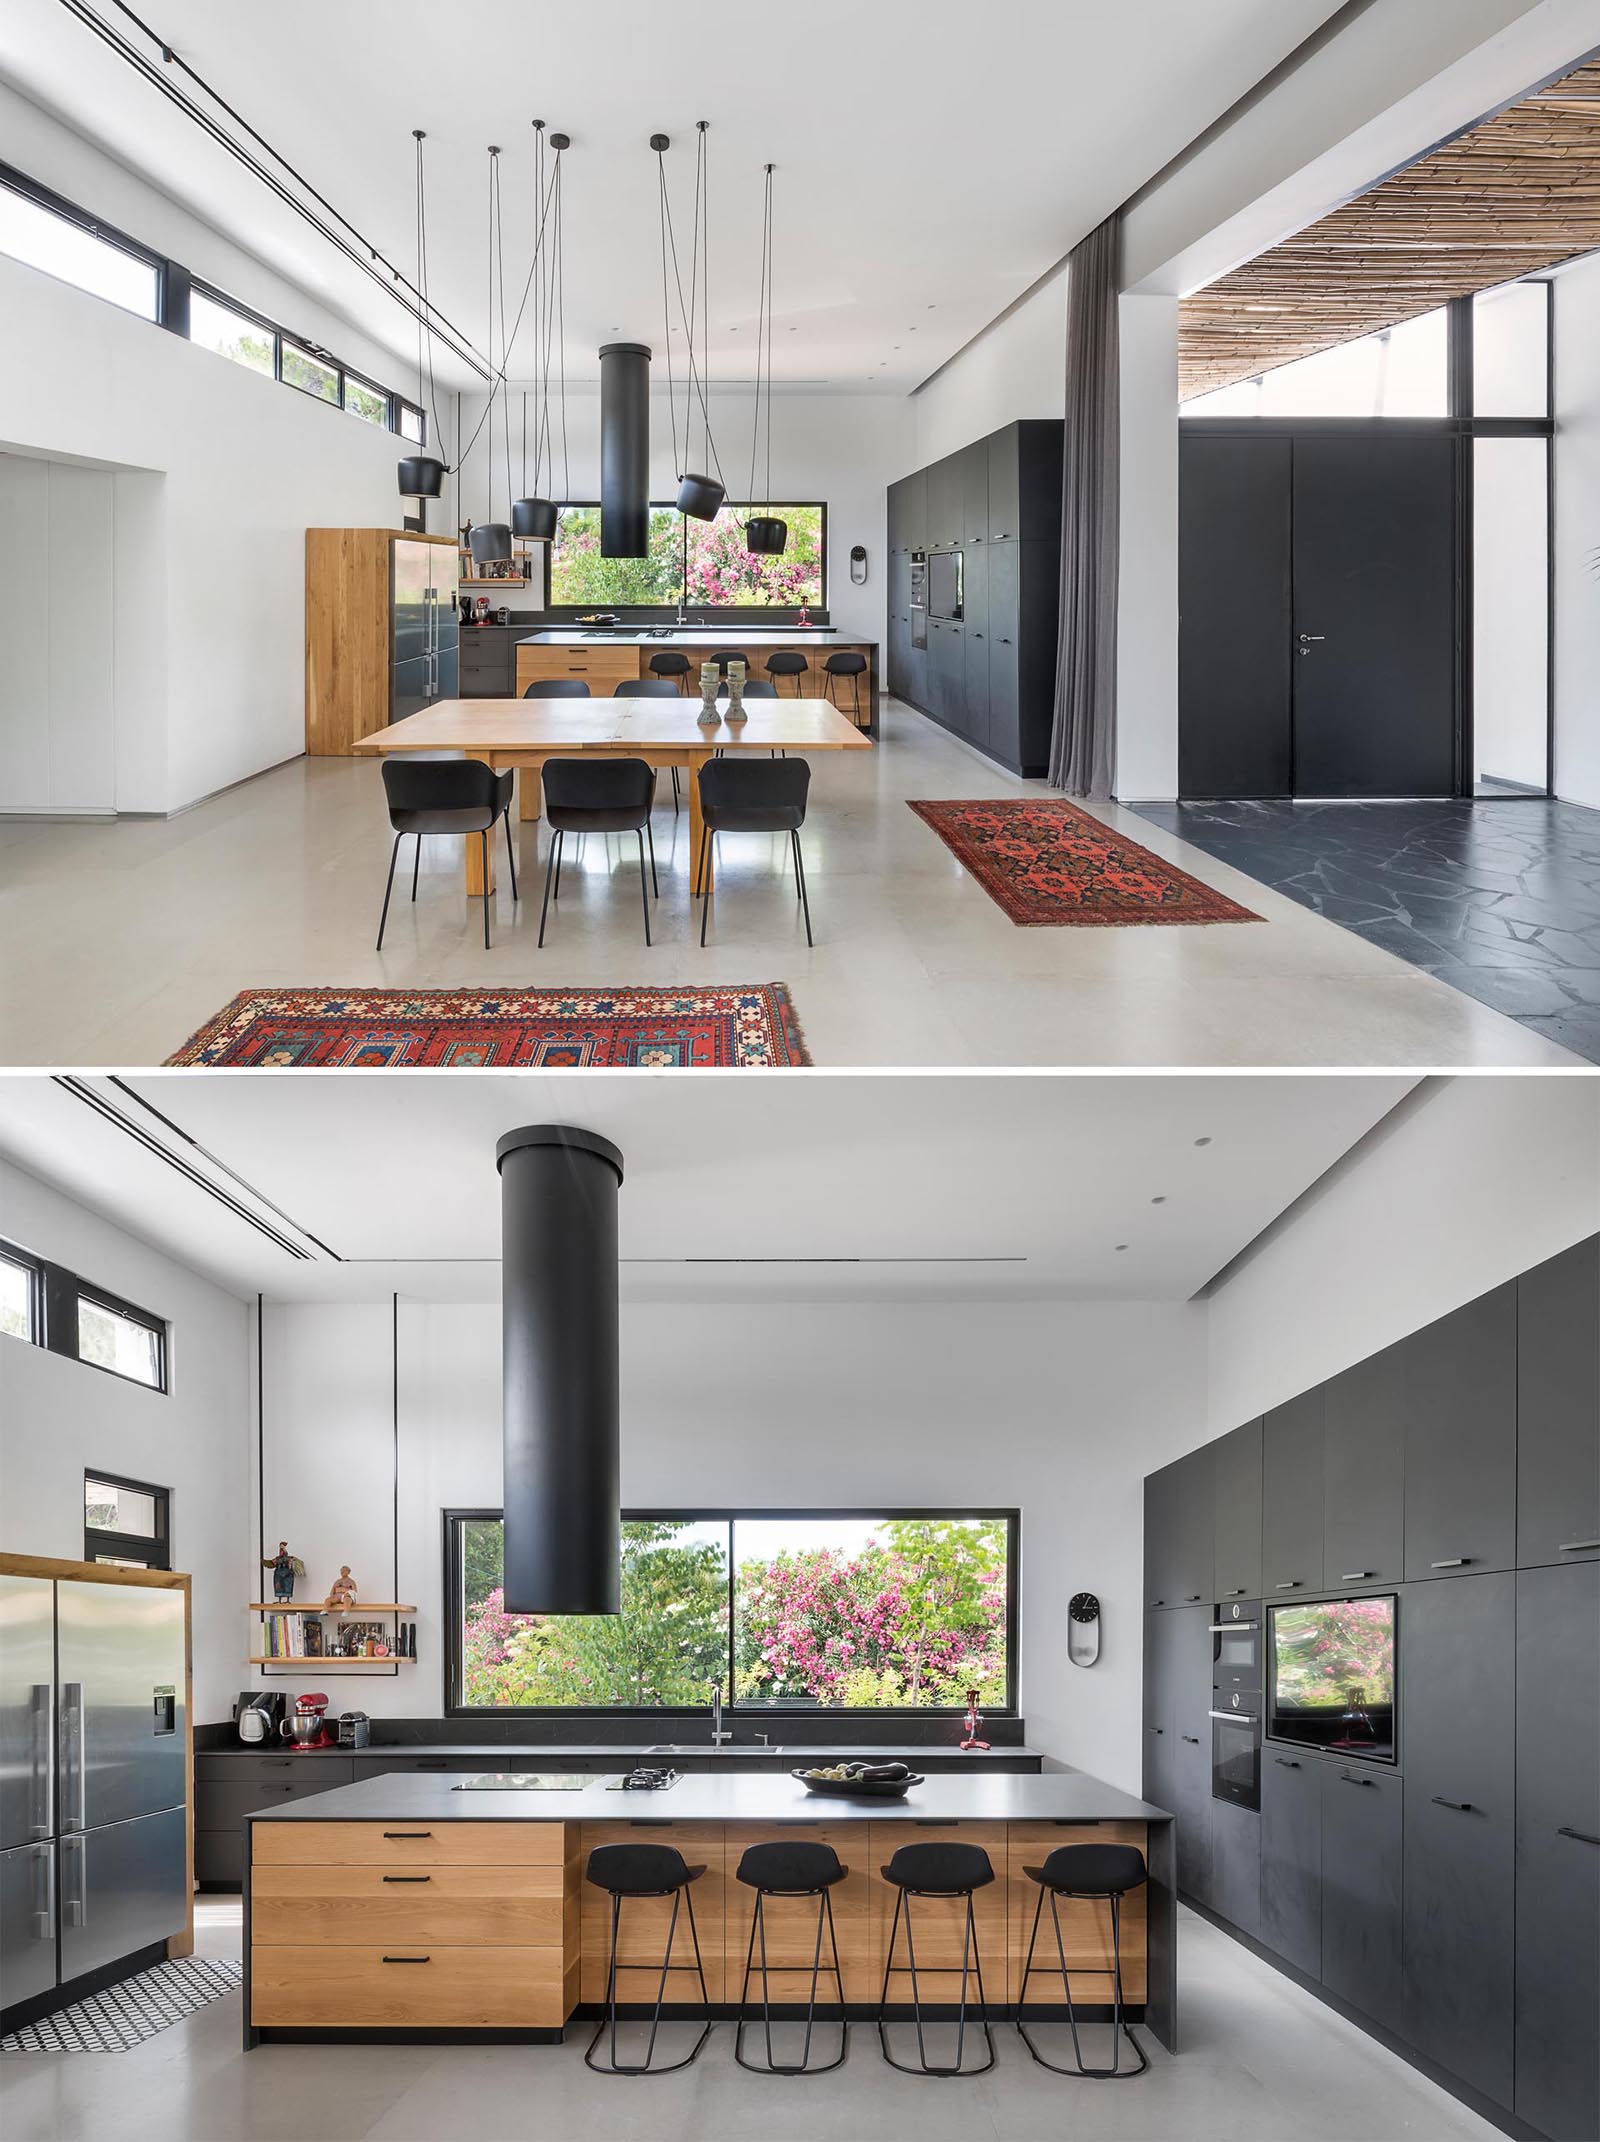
(666, 309)
(763, 335)
(697, 382)
(425, 315)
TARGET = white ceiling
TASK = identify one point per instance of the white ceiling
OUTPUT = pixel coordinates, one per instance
(932, 160)
(938, 1176)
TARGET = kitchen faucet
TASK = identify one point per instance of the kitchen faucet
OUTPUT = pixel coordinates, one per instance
(718, 1736)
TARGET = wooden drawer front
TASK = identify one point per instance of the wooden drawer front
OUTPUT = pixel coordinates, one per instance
(1085, 1923)
(940, 1923)
(400, 1846)
(642, 1936)
(600, 667)
(453, 1988)
(352, 1906)
(791, 1922)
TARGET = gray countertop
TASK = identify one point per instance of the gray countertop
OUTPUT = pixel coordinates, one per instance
(713, 636)
(1060, 1796)
(498, 1756)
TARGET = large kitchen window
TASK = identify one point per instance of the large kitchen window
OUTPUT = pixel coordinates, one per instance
(789, 1610)
(723, 574)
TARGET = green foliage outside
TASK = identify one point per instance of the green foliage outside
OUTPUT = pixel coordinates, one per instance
(722, 572)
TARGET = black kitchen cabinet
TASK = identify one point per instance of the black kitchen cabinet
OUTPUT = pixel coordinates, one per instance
(1291, 1859)
(1363, 1474)
(1236, 1865)
(974, 462)
(1558, 1852)
(1178, 1533)
(908, 513)
(1027, 506)
(1005, 485)
(488, 660)
(1236, 1497)
(1362, 1848)
(1460, 1398)
(975, 644)
(1160, 1739)
(1458, 1661)
(1558, 1407)
(1187, 1680)
(946, 503)
(895, 517)
(1160, 1527)
(947, 673)
(1292, 1497)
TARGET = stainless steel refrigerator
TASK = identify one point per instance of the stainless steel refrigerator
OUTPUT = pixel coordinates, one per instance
(92, 1779)
(424, 624)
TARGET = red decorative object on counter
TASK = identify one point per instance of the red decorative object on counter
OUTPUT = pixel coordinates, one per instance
(974, 1720)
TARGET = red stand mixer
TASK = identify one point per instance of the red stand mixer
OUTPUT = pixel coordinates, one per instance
(304, 1727)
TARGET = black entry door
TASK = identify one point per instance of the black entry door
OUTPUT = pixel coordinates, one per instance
(1374, 616)
(1235, 672)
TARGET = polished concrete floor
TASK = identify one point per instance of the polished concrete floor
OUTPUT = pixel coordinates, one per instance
(117, 940)
(1500, 899)
(1262, 2062)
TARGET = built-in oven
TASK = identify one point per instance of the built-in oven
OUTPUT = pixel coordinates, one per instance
(919, 599)
(1236, 1750)
(1236, 1647)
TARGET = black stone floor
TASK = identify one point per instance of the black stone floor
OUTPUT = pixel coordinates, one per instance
(1502, 900)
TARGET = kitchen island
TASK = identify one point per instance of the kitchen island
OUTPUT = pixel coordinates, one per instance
(404, 1904)
(607, 657)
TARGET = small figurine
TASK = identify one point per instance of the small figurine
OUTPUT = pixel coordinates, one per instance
(974, 1721)
(342, 1591)
(285, 1568)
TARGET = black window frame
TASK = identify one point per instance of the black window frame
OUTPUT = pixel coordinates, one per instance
(58, 1291)
(454, 1707)
(148, 1551)
(32, 1268)
(723, 614)
(57, 204)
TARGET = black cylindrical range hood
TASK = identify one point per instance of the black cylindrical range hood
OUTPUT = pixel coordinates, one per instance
(560, 1402)
(624, 450)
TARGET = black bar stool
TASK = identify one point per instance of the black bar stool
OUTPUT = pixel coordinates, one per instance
(1101, 1873)
(937, 1870)
(852, 666)
(598, 796)
(787, 664)
(800, 1869)
(667, 663)
(645, 1870)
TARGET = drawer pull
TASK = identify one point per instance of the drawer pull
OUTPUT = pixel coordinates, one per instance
(1577, 1546)
(431, 1766)
(408, 1877)
(1283, 1762)
(1456, 1561)
(408, 1833)
(1583, 1836)
(408, 1959)
(1349, 1780)
(1462, 1807)
(1357, 1576)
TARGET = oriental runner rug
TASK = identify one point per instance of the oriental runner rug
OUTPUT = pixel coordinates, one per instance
(743, 1026)
(1050, 864)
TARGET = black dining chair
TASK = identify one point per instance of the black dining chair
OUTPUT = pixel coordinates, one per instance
(445, 796)
(652, 688)
(668, 663)
(556, 688)
(740, 795)
(598, 796)
(839, 666)
(787, 664)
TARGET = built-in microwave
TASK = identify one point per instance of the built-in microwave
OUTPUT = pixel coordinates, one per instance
(1236, 1647)
(1236, 1750)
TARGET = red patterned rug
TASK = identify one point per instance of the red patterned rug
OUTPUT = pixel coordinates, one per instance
(1048, 863)
(746, 1027)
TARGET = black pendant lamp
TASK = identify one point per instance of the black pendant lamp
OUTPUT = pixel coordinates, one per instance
(421, 475)
(764, 533)
(534, 518)
(562, 1489)
(700, 497)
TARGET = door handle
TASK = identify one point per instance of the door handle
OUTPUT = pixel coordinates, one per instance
(75, 1901)
(1357, 1576)
(1234, 1717)
(1462, 1807)
(1312, 639)
(44, 1922)
(72, 1755)
(1577, 1546)
(42, 1777)
(1289, 1584)
(1583, 1836)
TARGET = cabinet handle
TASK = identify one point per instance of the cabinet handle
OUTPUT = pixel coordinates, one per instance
(1456, 1561)
(1349, 1780)
(408, 1833)
(1237, 1718)
(977, 635)
(431, 1766)
(408, 1959)
(1289, 1584)
(1462, 1807)
(1158, 1602)
(1236, 1593)
(1192, 1738)
(1005, 643)
(1577, 1546)
(408, 1877)
(1355, 1576)
(1284, 1763)
(1583, 1836)
(1191, 1599)
(1158, 1730)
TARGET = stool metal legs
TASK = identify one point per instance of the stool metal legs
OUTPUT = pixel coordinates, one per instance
(758, 1930)
(614, 2066)
(1119, 2029)
(971, 1965)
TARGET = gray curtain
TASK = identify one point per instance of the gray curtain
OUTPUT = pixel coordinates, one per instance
(1083, 737)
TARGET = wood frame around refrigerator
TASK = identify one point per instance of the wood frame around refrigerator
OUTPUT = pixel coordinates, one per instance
(166, 1580)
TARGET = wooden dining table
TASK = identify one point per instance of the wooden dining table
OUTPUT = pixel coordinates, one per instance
(523, 733)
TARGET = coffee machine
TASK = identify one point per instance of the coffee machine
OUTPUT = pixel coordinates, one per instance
(258, 1714)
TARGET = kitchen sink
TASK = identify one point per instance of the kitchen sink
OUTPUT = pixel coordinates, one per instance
(704, 1747)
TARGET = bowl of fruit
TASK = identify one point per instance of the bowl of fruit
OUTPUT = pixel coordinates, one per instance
(858, 1781)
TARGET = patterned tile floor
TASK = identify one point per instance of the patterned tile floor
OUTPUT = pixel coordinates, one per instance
(1501, 900)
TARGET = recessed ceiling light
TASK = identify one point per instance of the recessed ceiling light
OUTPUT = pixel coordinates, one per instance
(1159, 1200)
(1122, 1245)
(1202, 1141)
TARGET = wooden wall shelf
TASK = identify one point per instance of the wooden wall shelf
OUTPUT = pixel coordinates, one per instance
(351, 1613)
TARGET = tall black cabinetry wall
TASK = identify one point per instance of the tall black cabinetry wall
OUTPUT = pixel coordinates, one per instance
(989, 676)
(1452, 1898)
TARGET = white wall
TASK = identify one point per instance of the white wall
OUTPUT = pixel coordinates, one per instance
(1059, 1412)
(844, 448)
(1479, 1179)
(1016, 368)
(1511, 610)
(1147, 600)
(59, 1417)
(1577, 558)
(57, 582)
